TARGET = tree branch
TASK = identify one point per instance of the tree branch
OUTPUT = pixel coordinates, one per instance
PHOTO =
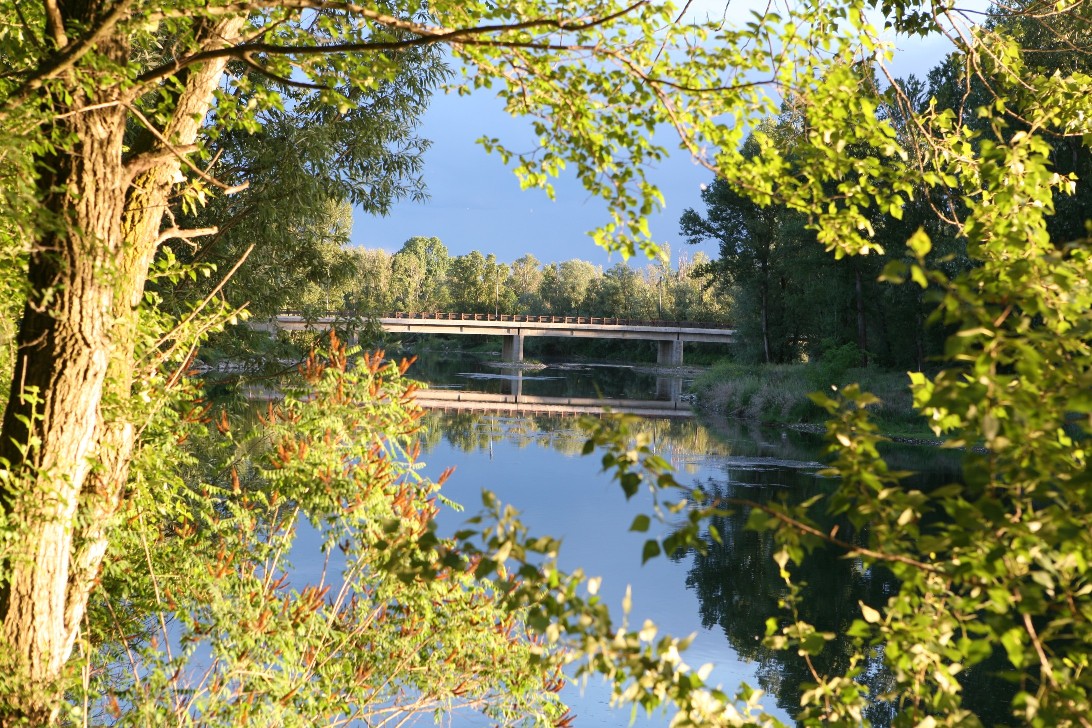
(66, 60)
(179, 152)
(1044, 663)
(259, 68)
(424, 35)
(176, 233)
(55, 23)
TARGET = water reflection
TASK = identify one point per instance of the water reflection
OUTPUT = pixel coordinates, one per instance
(533, 464)
(736, 583)
(739, 587)
(685, 443)
(556, 379)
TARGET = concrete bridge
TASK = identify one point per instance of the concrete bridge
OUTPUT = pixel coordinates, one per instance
(670, 335)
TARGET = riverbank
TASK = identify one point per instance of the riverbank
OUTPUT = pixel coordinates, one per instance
(778, 394)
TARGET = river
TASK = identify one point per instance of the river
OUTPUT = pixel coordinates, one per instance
(723, 596)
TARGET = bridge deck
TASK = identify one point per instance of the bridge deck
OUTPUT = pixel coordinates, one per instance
(517, 318)
(577, 326)
(670, 334)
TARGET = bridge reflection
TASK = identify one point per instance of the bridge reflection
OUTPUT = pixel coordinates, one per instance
(669, 402)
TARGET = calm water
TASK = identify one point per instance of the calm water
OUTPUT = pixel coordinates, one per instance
(562, 378)
(724, 595)
(535, 465)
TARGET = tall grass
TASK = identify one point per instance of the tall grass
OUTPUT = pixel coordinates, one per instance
(778, 393)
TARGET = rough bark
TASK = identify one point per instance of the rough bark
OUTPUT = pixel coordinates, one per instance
(74, 371)
(64, 349)
(146, 203)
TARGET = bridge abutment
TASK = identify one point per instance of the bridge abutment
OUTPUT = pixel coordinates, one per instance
(669, 353)
(512, 348)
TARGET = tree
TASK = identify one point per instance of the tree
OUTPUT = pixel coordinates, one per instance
(620, 291)
(373, 287)
(791, 298)
(525, 282)
(407, 282)
(691, 299)
(748, 235)
(476, 284)
(961, 553)
(565, 286)
(327, 281)
(111, 112)
(420, 267)
(398, 624)
(297, 163)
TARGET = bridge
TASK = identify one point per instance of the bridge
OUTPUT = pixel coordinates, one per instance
(670, 335)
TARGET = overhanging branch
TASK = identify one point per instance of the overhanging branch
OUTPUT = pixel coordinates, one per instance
(423, 35)
(182, 157)
(68, 58)
(846, 545)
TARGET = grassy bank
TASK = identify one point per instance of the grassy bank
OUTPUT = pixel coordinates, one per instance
(779, 394)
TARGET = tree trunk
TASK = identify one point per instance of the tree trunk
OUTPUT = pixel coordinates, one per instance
(49, 426)
(919, 333)
(75, 371)
(862, 328)
(765, 303)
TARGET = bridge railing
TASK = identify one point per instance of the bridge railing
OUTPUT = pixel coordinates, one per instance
(520, 318)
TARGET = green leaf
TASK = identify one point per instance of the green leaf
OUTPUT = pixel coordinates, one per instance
(650, 551)
(894, 272)
(919, 243)
(872, 616)
(1013, 642)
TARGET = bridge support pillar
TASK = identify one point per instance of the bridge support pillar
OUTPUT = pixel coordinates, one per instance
(669, 353)
(512, 348)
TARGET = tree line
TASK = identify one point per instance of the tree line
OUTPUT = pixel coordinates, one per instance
(423, 277)
(793, 298)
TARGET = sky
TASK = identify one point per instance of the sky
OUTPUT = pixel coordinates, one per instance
(476, 203)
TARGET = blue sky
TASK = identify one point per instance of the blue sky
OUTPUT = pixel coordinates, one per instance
(476, 203)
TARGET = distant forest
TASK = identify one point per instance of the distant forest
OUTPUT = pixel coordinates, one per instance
(423, 277)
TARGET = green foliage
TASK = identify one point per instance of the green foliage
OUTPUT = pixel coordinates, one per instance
(792, 299)
(413, 280)
(834, 363)
(418, 273)
(779, 393)
(478, 283)
(304, 163)
(12, 294)
(298, 568)
(1001, 558)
